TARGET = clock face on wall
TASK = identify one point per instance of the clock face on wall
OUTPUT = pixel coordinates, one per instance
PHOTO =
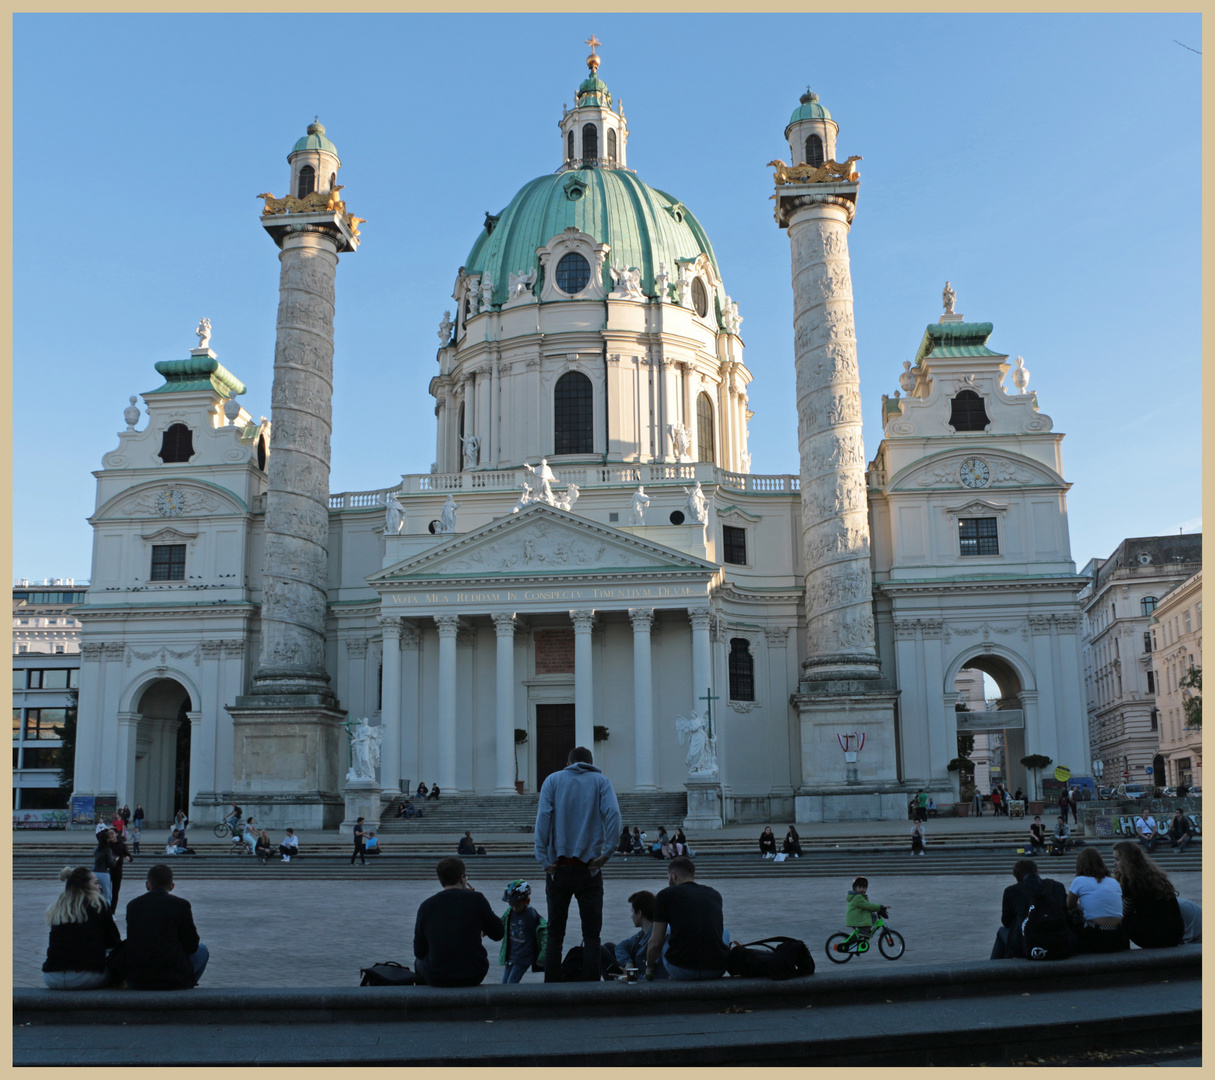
(170, 502)
(974, 472)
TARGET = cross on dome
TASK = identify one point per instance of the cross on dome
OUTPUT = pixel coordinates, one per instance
(592, 61)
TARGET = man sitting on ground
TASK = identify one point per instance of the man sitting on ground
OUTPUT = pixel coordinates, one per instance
(447, 933)
(699, 945)
(1181, 831)
(1016, 904)
(1037, 835)
(1060, 837)
(290, 845)
(1145, 828)
(163, 951)
(631, 951)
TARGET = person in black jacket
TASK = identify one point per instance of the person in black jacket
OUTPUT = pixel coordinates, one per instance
(767, 842)
(82, 932)
(447, 934)
(1151, 915)
(163, 951)
(118, 846)
(1017, 900)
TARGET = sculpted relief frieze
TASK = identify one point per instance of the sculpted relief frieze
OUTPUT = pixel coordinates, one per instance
(548, 547)
(194, 501)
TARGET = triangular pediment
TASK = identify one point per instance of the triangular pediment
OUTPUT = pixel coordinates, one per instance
(541, 541)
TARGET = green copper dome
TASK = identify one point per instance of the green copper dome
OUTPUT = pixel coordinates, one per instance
(809, 109)
(315, 140)
(643, 225)
(593, 91)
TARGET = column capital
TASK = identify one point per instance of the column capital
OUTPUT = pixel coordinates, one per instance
(699, 617)
(642, 619)
(449, 625)
(410, 637)
(127, 718)
(505, 624)
(583, 620)
(390, 625)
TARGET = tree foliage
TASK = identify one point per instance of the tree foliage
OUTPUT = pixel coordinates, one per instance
(67, 755)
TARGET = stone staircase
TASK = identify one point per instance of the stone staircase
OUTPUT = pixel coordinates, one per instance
(453, 815)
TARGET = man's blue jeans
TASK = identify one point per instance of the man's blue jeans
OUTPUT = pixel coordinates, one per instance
(679, 974)
(512, 973)
(564, 884)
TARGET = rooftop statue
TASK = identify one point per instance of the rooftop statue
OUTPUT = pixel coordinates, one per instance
(204, 333)
(815, 174)
(948, 298)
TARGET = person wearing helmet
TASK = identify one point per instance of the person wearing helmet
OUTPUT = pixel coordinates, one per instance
(524, 932)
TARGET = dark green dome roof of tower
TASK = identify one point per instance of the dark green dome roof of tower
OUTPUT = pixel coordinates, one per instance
(643, 226)
(809, 109)
(315, 140)
(593, 91)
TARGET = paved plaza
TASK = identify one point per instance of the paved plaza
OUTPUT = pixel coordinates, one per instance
(292, 934)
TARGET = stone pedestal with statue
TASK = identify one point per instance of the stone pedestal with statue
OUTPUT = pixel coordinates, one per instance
(362, 801)
(362, 790)
(703, 784)
(704, 803)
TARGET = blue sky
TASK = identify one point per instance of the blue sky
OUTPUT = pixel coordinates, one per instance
(1049, 166)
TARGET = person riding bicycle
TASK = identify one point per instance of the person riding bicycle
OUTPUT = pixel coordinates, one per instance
(861, 909)
(233, 819)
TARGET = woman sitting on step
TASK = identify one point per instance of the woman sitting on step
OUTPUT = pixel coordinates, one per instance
(767, 842)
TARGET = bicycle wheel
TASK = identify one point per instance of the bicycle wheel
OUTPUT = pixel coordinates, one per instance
(834, 954)
(221, 830)
(890, 943)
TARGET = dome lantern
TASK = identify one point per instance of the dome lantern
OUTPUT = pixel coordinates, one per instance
(592, 135)
(811, 132)
(314, 162)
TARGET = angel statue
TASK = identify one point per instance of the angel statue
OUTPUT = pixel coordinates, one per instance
(394, 515)
(204, 333)
(948, 298)
(364, 750)
(472, 450)
(702, 748)
(445, 329)
(526, 499)
(566, 500)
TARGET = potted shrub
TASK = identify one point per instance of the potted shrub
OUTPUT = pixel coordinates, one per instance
(1034, 762)
(601, 733)
(520, 739)
(960, 765)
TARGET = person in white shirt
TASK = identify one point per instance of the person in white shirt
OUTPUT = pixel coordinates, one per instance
(250, 836)
(1145, 826)
(1098, 896)
(290, 845)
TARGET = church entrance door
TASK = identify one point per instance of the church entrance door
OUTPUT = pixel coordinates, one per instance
(554, 738)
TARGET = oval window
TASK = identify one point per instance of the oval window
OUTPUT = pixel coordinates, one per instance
(573, 273)
(700, 299)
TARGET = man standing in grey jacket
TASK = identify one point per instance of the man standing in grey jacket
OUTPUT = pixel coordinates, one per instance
(576, 829)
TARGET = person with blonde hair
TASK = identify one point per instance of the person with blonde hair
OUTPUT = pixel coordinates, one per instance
(1098, 897)
(82, 933)
(1150, 912)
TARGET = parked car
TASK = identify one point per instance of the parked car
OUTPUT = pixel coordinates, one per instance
(1104, 792)
(1195, 791)
(1132, 791)
(1168, 792)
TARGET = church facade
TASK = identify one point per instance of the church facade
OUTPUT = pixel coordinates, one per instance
(589, 560)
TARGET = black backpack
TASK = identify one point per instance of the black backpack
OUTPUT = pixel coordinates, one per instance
(1044, 929)
(772, 958)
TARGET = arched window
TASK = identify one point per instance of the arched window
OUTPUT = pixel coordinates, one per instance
(742, 670)
(573, 414)
(1148, 604)
(261, 452)
(612, 146)
(569, 146)
(700, 298)
(967, 413)
(705, 444)
(460, 427)
(307, 182)
(814, 151)
(590, 142)
(573, 273)
(177, 444)
(332, 180)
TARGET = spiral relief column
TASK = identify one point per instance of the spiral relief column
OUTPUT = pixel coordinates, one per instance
(843, 693)
(289, 756)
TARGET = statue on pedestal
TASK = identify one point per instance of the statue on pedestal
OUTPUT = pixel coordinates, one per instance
(639, 502)
(204, 333)
(695, 507)
(702, 748)
(546, 477)
(364, 750)
(447, 516)
(394, 515)
(948, 298)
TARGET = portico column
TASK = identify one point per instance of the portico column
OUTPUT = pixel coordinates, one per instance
(124, 774)
(199, 753)
(702, 658)
(643, 697)
(390, 706)
(448, 627)
(584, 687)
(504, 627)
